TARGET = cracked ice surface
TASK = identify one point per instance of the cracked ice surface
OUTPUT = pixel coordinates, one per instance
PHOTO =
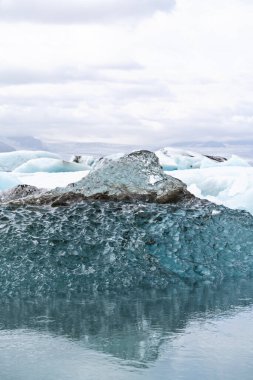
(114, 245)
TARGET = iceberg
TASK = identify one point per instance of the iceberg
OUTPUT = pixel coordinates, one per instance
(126, 225)
(234, 161)
(177, 159)
(91, 161)
(49, 165)
(11, 160)
(133, 176)
(230, 186)
(136, 176)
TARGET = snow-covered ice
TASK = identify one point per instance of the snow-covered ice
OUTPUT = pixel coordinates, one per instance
(50, 180)
(49, 165)
(234, 161)
(230, 186)
(11, 160)
(8, 180)
(177, 159)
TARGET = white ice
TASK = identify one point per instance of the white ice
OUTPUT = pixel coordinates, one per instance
(230, 186)
(177, 159)
(50, 180)
(49, 165)
(11, 160)
(8, 180)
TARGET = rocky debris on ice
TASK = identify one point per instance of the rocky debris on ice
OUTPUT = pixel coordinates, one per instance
(88, 161)
(136, 176)
(20, 192)
(216, 158)
(91, 161)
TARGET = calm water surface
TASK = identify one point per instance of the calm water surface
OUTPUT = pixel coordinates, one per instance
(186, 333)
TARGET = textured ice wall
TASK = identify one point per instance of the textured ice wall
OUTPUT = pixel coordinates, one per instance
(115, 245)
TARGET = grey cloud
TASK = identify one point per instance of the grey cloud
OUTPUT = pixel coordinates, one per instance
(121, 66)
(64, 74)
(107, 111)
(244, 109)
(80, 11)
(116, 124)
(142, 91)
(20, 76)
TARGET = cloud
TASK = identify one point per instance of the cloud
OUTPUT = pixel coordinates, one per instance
(57, 112)
(64, 74)
(80, 11)
(21, 76)
(179, 75)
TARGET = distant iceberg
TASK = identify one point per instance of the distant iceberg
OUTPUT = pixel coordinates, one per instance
(49, 165)
(178, 159)
(11, 160)
(90, 161)
(230, 186)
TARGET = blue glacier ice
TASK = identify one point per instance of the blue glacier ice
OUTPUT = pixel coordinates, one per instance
(11, 160)
(50, 165)
(114, 245)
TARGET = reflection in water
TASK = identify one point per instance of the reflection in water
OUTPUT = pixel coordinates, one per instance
(132, 327)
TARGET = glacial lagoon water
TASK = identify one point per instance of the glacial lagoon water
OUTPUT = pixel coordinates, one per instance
(186, 333)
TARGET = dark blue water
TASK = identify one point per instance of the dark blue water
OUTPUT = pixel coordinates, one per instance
(202, 332)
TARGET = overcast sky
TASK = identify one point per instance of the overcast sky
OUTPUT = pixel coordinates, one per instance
(127, 71)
